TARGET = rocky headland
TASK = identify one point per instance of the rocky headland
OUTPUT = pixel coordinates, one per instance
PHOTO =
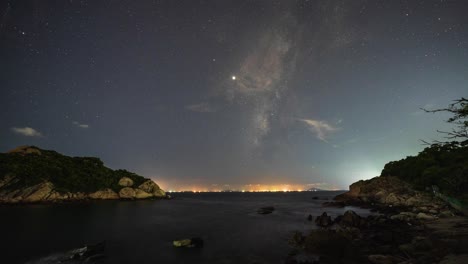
(30, 175)
(408, 226)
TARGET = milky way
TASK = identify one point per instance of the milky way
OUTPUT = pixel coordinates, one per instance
(231, 93)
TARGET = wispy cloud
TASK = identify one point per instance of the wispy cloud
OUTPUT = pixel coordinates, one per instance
(201, 108)
(321, 129)
(80, 125)
(26, 131)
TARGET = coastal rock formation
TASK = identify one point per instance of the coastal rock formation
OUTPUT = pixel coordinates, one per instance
(37, 193)
(126, 182)
(31, 175)
(140, 194)
(350, 219)
(24, 150)
(106, 194)
(384, 190)
(150, 186)
(127, 193)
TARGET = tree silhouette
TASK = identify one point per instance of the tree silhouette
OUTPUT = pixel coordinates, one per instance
(459, 110)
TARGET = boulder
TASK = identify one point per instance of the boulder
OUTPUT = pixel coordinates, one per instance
(194, 242)
(324, 220)
(127, 193)
(140, 194)
(423, 216)
(159, 193)
(126, 182)
(77, 196)
(350, 218)
(106, 194)
(150, 186)
(392, 199)
(446, 214)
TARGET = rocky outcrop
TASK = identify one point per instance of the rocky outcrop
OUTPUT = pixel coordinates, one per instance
(38, 192)
(25, 150)
(46, 192)
(324, 220)
(387, 190)
(151, 187)
(126, 182)
(127, 193)
(350, 219)
(106, 194)
(140, 194)
(29, 174)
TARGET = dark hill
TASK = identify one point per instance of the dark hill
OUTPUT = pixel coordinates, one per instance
(30, 174)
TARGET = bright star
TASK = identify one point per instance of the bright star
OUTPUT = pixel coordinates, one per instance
(233, 77)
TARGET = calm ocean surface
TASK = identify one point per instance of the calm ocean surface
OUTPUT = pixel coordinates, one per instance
(143, 231)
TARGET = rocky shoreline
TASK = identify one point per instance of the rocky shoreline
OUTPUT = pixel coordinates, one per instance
(29, 174)
(45, 192)
(408, 226)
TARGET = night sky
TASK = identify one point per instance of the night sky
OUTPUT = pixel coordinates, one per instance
(221, 94)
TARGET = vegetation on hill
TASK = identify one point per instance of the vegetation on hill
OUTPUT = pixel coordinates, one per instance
(445, 166)
(444, 163)
(68, 174)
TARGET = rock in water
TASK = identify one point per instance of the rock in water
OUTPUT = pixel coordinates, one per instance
(86, 253)
(195, 242)
(324, 220)
(182, 242)
(310, 217)
(126, 182)
(151, 187)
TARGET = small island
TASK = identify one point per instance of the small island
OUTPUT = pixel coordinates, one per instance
(29, 174)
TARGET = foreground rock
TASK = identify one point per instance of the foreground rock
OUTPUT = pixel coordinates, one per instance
(31, 175)
(411, 227)
(382, 239)
(324, 220)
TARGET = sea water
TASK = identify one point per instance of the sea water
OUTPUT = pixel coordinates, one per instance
(143, 231)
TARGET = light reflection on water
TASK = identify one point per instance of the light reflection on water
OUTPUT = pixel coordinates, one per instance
(142, 231)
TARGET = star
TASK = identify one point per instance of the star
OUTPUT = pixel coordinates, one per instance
(233, 78)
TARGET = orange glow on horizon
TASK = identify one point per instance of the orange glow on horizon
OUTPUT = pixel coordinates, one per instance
(248, 188)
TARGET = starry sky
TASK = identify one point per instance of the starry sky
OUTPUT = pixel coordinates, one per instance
(208, 94)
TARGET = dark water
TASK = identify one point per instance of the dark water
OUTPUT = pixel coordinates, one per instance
(143, 231)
